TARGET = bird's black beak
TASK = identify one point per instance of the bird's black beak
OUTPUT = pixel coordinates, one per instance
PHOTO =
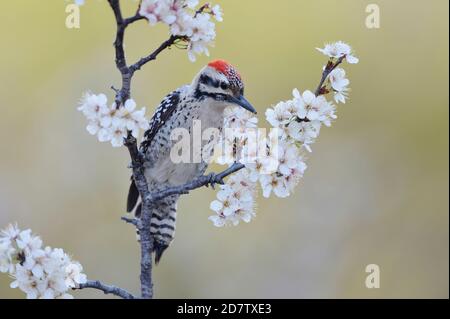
(242, 101)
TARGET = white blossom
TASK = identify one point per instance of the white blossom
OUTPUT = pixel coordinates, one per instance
(185, 21)
(39, 272)
(341, 96)
(202, 31)
(273, 183)
(261, 159)
(111, 124)
(288, 158)
(239, 118)
(290, 169)
(6, 256)
(237, 124)
(217, 13)
(337, 50)
(26, 241)
(304, 132)
(25, 282)
(117, 134)
(159, 11)
(191, 4)
(339, 83)
(280, 115)
(300, 119)
(217, 220)
(262, 165)
(225, 151)
(11, 232)
(315, 108)
(338, 80)
(94, 106)
(74, 272)
(235, 201)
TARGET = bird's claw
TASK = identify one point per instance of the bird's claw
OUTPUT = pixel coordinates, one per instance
(214, 179)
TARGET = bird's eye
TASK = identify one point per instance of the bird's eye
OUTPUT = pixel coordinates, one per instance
(224, 86)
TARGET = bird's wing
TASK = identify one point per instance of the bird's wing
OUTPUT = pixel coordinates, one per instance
(162, 114)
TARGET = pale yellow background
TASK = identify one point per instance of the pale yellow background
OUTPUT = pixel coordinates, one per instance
(376, 190)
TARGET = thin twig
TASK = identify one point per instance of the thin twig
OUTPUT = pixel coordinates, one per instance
(107, 289)
(328, 69)
(166, 44)
(121, 63)
(133, 221)
(134, 18)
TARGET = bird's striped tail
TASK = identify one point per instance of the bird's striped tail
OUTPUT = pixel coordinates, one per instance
(163, 221)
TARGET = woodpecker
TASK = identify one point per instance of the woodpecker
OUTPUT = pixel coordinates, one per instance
(215, 87)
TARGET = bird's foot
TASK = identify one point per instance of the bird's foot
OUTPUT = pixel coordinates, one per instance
(214, 179)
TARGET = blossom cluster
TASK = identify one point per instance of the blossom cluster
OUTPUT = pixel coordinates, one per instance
(110, 123)
(235, 200)
(45, 273)
(337, 81)
(185, 21)
(339, 50)
(238, 122)
(296, 124)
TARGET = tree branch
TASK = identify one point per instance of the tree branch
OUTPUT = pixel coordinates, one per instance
(136, 157)
(134, 18)
(201, 181)
(118, 43)
(121, 62)
(165, 45)
(133, 221)
(328, 69)
(146, 239)
(107, 289)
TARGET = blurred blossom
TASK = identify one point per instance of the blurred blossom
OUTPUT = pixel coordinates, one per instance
(44, 273)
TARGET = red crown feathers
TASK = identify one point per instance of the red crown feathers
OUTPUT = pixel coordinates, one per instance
(227, 69)
(223, 66)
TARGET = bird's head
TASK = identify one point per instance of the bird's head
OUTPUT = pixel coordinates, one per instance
(221, 82)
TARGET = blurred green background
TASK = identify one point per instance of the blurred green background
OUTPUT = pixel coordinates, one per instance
(376, 190)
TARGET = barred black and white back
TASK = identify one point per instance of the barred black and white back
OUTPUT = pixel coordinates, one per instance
(163, 221)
